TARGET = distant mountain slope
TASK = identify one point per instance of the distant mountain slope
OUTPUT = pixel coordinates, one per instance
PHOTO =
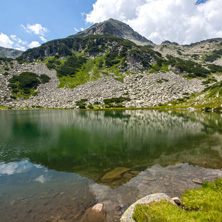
(9, 53)
(112, 51)
(115, 28)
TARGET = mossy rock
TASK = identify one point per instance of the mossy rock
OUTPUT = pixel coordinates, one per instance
(128, 214)
(199, 205)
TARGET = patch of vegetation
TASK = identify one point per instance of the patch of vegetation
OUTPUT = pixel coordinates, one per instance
(215, 68)
(160, 65)
(71, 66)
(149, 46)
(216, 54)
(203, 204)
(187, 66)
(195, 56)
(25, 84)
(88, 72)
(211, 97)
(217, 86)
(53, 63)
(44, 78)
(112, 59)
(162, 80)
(2, 59)
(179, 52)
(115, 102)
(81, 103)
(3, 108)
(209, 81)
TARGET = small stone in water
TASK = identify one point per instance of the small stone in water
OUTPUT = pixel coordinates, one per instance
(98, 207)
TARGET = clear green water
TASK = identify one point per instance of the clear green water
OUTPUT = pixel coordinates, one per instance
(55, 164)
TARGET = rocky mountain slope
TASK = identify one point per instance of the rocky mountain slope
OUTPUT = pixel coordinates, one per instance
(102, 70)
(114, 28)
(9, 53)
(207, 51)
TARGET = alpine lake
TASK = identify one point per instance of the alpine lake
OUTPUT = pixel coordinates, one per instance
(55, 164)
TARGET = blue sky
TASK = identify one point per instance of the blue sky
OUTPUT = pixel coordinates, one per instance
(59, 17)
(29, 23)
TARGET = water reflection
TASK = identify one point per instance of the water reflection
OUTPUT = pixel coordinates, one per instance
(94, 143)
(14, 167)
(54, 164)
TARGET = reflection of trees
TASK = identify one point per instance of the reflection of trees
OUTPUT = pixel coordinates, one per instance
(94, 142)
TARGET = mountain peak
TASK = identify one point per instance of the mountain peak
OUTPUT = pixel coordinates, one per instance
(115, 28)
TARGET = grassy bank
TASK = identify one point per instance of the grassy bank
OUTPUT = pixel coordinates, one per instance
(3, 108)
(160, 108)
(204, 204)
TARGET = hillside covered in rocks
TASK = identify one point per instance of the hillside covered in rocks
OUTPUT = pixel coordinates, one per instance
(95, 69)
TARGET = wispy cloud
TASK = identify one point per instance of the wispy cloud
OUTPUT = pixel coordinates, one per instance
(76, 30)
(43, 38)
(37, 29)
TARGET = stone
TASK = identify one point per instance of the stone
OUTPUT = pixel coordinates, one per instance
(197, 182)
(142, 187)
(98, 207)
(191, 109)
(143, 89)
(177, 200)
(114, 175)
(127, 216)
(95, 214)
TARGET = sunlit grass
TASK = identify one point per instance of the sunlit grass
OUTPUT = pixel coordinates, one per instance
(200, 205)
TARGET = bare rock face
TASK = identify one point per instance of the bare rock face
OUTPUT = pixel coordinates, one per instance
(115, 28)
(127, 216)
(9, 53)
(95, 214)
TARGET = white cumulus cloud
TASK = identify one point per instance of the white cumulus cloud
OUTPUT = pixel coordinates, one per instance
(179, 21)
(37, 29)
(12, 41)
(5, 41)
(34, 44)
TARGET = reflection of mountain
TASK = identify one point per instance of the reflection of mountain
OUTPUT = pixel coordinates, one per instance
(94, 143)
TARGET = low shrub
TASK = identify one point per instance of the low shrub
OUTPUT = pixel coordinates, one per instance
(26, 83)
(71, 66)
(81, 103)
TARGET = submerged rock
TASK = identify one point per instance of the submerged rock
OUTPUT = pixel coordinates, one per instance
(95, 214)
(113, 175)
(98, 207)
